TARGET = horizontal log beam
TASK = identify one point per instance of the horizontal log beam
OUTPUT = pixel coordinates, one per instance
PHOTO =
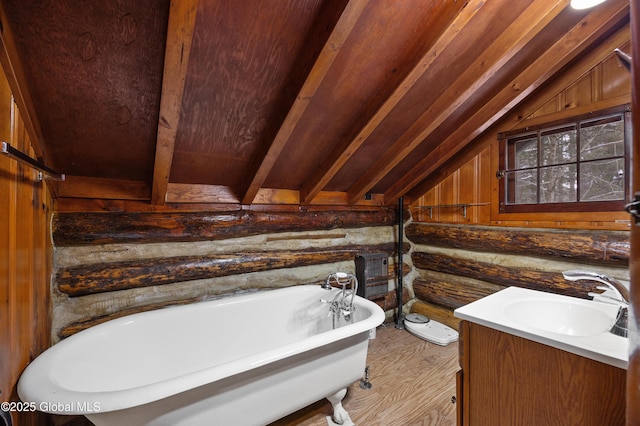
(386, 303)
(502, 275)
(104, 277)
(73, 229)
(451, 291)
(590, 247)
(389, 300)
(83, 324)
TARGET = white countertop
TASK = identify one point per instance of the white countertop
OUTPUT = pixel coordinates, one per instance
(490, 311)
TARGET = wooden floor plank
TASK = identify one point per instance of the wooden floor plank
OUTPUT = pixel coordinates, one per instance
(413, 384)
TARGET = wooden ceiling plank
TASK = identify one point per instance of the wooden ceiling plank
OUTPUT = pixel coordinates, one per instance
(511, 42)
(327, 56)
(182, 17)
(578, 38)
(339, 156)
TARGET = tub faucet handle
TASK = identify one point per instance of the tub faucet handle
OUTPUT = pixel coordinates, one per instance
(333, 307)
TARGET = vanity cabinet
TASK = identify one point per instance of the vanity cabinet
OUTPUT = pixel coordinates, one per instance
(508, 380)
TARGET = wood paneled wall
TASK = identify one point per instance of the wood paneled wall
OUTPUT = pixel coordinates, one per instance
(25, 258)
(596, 82)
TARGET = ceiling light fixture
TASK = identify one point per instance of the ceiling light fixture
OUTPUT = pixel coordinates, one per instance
(585, 4)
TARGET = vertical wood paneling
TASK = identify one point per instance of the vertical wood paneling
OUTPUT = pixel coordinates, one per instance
(422, 213)
(596, 89)
(8, 168)
(468, 188)
(615, 79)
(485, 174)
(21, 293)
(448, 196)
(25, 258)
(578, 94)
(7, 274)
(548, 108)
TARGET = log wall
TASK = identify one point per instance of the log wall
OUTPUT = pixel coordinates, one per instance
(456, 265)
(109, 264)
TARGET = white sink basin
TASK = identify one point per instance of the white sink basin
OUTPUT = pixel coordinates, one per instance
(560, 316)
(575, 325)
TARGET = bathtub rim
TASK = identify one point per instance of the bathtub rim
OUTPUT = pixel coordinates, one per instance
(37, 387)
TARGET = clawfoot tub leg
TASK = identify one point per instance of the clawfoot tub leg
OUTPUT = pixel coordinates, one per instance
(340, 415)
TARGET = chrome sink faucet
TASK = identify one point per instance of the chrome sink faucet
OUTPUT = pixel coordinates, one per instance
(342, 303)
(621, 296)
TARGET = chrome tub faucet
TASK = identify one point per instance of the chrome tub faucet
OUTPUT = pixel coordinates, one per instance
(342, 303)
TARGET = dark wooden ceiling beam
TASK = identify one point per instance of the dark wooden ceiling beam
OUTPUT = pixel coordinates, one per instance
(339, 156)
(330, 51)
(568, 47)
(182, 18)
(481, 73)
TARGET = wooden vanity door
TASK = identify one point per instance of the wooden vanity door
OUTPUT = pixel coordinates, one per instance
(508, 380)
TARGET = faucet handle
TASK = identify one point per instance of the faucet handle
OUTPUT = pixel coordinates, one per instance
(618, 299)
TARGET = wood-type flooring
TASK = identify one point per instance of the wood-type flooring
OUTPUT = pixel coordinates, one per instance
(413, 383)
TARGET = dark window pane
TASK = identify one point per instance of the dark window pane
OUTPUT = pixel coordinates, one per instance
(602, 140)
(558, 184)
(602, 180)
(525, 154)
(522, 187)
(558, 148)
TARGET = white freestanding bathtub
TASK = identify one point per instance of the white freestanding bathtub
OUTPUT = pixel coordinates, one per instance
(245, 360)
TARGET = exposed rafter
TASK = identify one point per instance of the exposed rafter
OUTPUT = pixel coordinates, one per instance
(578, 38)
(182, 18)
(327, 56)
(501, 51)
(339, 157)
(520, 119)
(316, 103)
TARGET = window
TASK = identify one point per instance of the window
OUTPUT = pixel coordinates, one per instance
(577, 165)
